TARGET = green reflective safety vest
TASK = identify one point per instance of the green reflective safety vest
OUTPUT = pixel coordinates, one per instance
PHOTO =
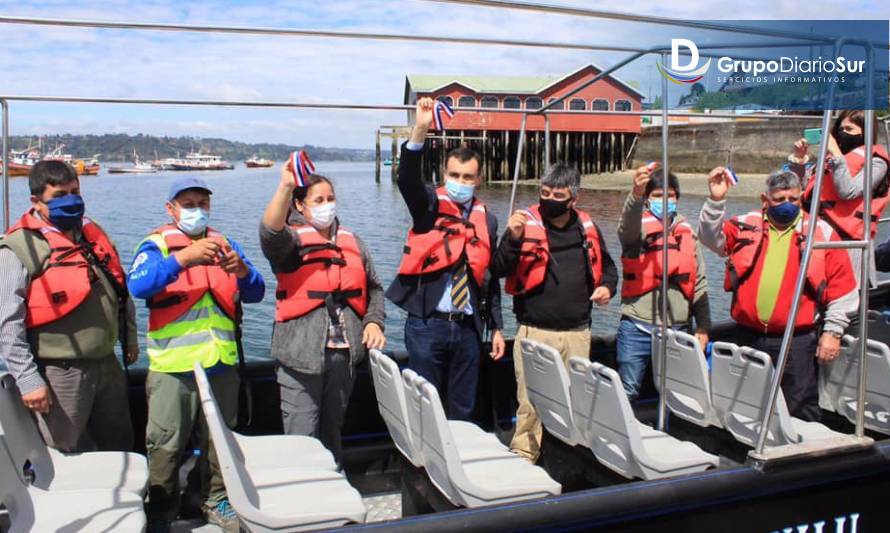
(204, 332)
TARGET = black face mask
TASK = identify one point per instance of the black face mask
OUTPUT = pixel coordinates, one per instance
(848, 143)
(553, 208)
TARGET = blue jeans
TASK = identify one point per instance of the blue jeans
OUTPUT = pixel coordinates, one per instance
(634, 350)
(446, 353)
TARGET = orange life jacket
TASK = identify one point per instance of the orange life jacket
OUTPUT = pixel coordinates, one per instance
(642, 274)
(451, 238)
(65, 283)
(326, 269)
(747, 254)
(192, 284)
(847, 215)
(534, 253)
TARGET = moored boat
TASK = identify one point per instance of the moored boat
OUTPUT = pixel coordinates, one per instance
(258, 162)
(199, 161)
(139, 167)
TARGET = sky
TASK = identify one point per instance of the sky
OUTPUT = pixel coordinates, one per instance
(42, 60)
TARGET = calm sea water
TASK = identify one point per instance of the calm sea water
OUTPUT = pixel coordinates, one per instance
(128, 206)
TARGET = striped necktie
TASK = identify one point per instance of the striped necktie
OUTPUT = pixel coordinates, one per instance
(460, 290)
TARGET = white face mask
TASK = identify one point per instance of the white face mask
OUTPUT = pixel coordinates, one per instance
(193, 221)
(323, 215)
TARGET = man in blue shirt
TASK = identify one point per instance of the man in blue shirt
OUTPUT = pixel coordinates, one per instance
(193, 279)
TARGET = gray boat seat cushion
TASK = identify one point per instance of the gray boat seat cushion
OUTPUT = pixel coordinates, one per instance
(582, 389)
(741, 378)
(284, 499)
(547, 382)
(489, 475)
(687, 380)
(53, 470)
(389, 389)
(839, 382)
(34, 509)
(631, 448)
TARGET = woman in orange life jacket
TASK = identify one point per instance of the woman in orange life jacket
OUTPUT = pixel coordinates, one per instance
(640, 233)
(844, 178)
(329, 306)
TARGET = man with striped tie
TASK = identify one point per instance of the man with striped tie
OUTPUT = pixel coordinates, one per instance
(444, 281)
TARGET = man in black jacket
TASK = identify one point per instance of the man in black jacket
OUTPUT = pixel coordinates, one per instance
(444, 282)
(557, 265)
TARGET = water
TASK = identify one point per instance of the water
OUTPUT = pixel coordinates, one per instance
(129, 206)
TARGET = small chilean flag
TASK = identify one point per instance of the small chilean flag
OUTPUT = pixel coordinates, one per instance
(439, 108)
(733, 178)
(652, 165)
(302, 167)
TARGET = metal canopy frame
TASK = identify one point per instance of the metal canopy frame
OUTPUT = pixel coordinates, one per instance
(759, 455)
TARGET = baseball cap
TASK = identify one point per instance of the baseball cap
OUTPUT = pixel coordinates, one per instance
(185, 183)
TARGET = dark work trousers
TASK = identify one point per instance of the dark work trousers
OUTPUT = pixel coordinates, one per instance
(446, 353)
(315, 404)
(800, 383)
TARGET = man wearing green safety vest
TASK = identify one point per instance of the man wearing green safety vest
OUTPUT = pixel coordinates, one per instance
(193, 279)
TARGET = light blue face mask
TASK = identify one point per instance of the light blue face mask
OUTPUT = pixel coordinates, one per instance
(655, 206)
(193, 220)
(458, 192)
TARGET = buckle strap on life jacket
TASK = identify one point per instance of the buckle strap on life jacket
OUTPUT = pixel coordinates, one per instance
(170, 301)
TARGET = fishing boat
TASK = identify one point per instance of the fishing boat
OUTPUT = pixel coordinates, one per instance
(20, 162)
(88, 167)
(201, 161)
(139, 167)
(258, 162)
(387, 162)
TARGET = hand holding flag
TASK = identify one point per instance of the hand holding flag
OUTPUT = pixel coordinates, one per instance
(731, 175)
(302, 167)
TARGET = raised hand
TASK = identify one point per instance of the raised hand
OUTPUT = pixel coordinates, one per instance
(718, 183)
(516, 224)
(424, 113)
(641, 178)
(801, 147)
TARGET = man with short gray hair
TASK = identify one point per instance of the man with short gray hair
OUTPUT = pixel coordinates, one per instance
(556, 264)
(764, 250)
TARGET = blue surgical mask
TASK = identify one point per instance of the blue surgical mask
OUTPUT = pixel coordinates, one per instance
(784, 213)
(655, 207)
(66, 212)
(193, 220)
(459, 193)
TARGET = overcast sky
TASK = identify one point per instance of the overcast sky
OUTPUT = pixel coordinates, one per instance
(120, 63)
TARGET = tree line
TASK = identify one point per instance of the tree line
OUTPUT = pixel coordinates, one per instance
(119, 147)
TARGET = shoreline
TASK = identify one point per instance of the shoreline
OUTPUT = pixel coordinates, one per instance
(692, 184)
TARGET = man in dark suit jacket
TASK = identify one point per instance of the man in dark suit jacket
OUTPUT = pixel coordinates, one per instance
(449, 293)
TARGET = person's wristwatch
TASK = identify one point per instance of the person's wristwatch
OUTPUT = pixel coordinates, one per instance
(835, 334)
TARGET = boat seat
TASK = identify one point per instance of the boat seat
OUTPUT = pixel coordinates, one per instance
(50, 469)
(286, 499)
(488, 475)
(741, 378)
(687, 380)
(582, 389)
(34, 509)
(547, 382)
(403, 424)
(629, 447)
(390, 392)
(839, 382)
